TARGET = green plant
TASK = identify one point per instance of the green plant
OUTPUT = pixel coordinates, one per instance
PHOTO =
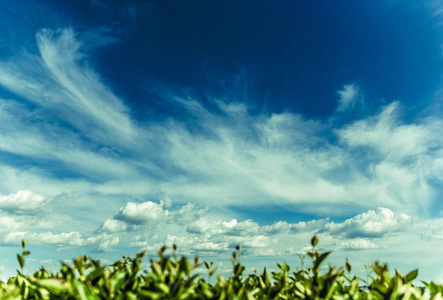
(173, 277)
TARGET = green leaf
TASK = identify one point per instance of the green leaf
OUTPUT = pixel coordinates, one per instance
(348, 266)
(83, 291)
(314, 241)
(21, 261)
(320, 259)
(411, 276)
(54, 286)
(117, 281)
(156, 267)
(96, 273)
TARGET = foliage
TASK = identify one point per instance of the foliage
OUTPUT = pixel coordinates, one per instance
(171, 277)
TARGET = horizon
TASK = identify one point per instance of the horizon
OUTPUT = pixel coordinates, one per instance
(129, 125)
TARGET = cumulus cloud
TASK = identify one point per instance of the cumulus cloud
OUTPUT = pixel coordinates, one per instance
(200, 226)
(197, 231)
(22, 202)
(142, 213)
(112, 225)
(27, 203)
(371, 224)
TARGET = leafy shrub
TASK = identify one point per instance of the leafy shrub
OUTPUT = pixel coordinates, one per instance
(171, 277)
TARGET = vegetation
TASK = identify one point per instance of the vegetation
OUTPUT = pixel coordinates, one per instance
(171, 277)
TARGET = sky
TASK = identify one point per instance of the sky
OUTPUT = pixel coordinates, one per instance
(127, 125)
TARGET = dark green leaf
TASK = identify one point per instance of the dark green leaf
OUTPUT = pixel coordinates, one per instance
(314, 241)
(411, 276)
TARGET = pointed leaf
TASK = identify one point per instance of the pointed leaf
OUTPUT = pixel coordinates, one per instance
(314, 241)
(411, 276)
(320, 259)
(348, 266)
(21, 261)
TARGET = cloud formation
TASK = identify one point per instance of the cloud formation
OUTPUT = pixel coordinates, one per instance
(371, 224)
(22, 202)
(349, 96)
(142, 213)
(67, 128)
(29, 203)
(221, 154)
(196, 230)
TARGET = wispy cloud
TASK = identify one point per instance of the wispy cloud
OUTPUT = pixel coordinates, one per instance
(63, 119)
(61, 83)
(349, 97)
(227, 153)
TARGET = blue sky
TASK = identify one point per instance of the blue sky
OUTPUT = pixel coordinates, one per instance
(128, 125)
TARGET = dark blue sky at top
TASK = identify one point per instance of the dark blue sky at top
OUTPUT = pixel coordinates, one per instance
(289, 55)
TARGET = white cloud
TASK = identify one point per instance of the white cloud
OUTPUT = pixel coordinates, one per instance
(210, 246)
(186, 214)
(24, 133)
(71, 123)
(371, 224)
(88, 96)
(8, 223)
(391, 139)
(355, 244)
(199, 226)
(107, 244)
(348, 97)
(142, 213)
(230, 224)
(61, 239)
(257, 241)
(310, 226)
(23, 202)
(279, 158)
(112, 226)
(245, 228)
(47, 238)
(14, 238)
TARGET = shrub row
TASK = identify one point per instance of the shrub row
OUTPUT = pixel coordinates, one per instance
(173, 277)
